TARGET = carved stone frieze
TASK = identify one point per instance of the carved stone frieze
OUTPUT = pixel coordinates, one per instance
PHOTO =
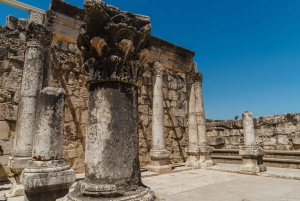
(195, 77)
(38, 34)
(114, 44)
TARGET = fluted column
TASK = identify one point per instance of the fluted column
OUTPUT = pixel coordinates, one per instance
(48, 175)
(199, 153)
(251, 153)
(160, 157)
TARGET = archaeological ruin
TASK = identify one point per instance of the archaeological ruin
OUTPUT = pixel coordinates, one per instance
(92, 91)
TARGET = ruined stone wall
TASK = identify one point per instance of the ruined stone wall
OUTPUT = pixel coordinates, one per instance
(175, 116)
(67, 72)
(278, 132)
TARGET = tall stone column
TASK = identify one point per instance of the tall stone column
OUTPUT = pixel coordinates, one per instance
(48, 176)
(199, 153)
(38, 38)
(114, 52)
(251, 153)
(160, 157)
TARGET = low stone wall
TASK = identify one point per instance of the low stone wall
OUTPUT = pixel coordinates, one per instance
(277, 132)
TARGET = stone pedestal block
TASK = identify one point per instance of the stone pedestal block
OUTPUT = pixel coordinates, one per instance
(251, 153)
(160, 161)
(48, 175)
(252, 157)
(199, 157)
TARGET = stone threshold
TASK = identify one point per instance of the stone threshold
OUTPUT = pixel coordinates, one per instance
(284, 173)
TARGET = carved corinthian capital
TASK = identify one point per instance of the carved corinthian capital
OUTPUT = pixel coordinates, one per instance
(38, 34)
(114, 44)
(195, 77)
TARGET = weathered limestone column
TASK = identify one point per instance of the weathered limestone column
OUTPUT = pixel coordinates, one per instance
(38, 37)
(48, 176)
(199, 153)
(205, 150)
(114, 58)
(251, 153)
(160, 157)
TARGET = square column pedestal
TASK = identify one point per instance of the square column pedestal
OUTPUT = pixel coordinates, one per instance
(199, 157)
(47, 180)
(160, 161)
(252, 157)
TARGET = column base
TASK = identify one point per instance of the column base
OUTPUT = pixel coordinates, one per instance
(18, 163)
(160, 161)
(48, 179)
(140, 194)
(199, 157)
(252, 157)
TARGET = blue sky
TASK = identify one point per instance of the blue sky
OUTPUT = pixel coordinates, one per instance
(248, 51)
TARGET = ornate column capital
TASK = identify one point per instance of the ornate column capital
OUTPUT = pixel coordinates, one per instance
(38, 34)
(114, 44)
(158, 68)
(195, 77)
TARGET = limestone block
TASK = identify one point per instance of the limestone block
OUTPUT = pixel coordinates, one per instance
(182, 96)
(215, 140)
(70, 130)
(84, 117)
(11, 112)
(16, 97)
(4, 130)
(285, 128)
(179, 112)
(173, 95)
(296, 139)
(283, 139)
(182, 122)
(11, 22)
(22, 23)
(4, 96)
(144, 119)
(237, 124)
(144, 109)
(167, 104)
(4, 65)
(7, 146)
(269, 141)
(166, 94)
(173, 85)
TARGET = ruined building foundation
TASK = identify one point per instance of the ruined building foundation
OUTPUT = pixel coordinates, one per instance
(251, 153)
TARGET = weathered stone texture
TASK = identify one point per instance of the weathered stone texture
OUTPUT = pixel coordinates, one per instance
(277, 132)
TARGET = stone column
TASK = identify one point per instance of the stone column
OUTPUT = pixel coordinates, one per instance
(251, 153)
(38, 37)
(160, 157)
(114, 65)
(48, 176)
(199, 153)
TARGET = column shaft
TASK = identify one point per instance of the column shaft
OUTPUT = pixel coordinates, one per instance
(202, 137)
(251, 153)
(48, 175)
(160, 157)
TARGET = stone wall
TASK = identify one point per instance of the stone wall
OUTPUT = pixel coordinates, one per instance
(67, 72)
(277, 132)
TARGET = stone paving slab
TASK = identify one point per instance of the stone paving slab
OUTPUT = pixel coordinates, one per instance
(209, 185)
(284, 173)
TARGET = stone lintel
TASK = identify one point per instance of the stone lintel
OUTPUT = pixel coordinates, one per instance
(171, 56)
(65, 28)
(67, 9)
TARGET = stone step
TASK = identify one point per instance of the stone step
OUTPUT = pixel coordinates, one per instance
(272, 158)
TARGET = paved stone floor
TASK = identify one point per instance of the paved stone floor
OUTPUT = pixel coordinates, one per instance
(210, 185)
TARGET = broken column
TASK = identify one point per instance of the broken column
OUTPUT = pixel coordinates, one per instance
(251, 153)
(48, 176)
(199, 153)
(38, 37)
(160, 157)
(114, 51)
